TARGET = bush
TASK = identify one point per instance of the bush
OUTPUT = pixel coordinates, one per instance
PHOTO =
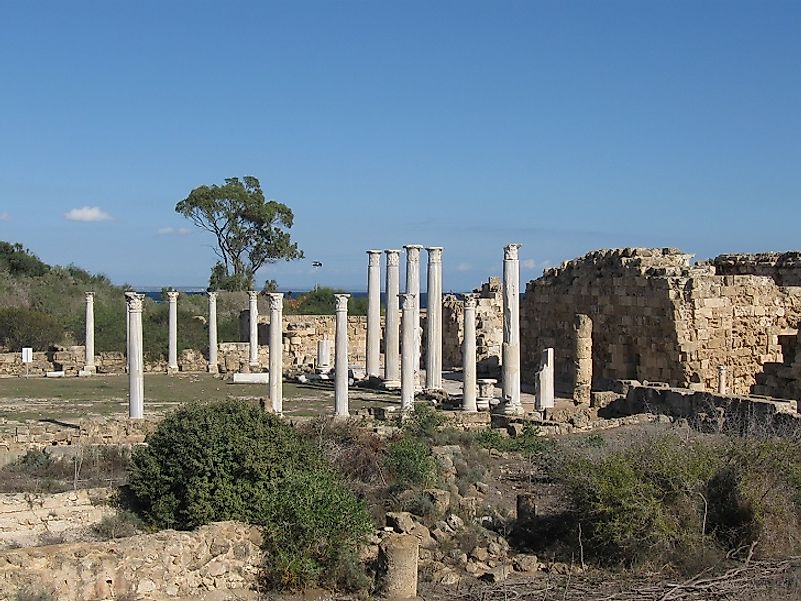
(231, 461)
(530, 443)
(321, 301)
(25, 327)
(410, 462)
(120, 525)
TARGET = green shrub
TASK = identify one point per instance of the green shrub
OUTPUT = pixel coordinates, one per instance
(31, 595)
(231, 461)
(21, 327)
(119, 525)
(529, 442)
(410, 462)
(424, 422)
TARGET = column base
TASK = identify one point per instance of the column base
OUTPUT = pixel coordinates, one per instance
(510, 408)
(213, 369)
(341, 417)
(172, 370)
(88, 370)
(391, 385)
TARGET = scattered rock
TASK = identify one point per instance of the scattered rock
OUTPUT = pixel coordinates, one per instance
(497, 574)
(454, 522)
(400, 521)
(526, 563)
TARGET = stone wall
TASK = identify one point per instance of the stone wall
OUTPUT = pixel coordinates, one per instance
(783, 268)
(164, 565)
(489, 329)
(657, 318)
(28, 518)
(95, 430)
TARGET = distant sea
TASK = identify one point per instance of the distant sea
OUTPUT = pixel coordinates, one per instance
(155, 293)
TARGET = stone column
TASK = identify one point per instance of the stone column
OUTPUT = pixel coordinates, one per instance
(413, 288)
(323, 356)
(253, 315)
(213, 367)
(128, 296)
(341, 358)
(510, 353)
(544, 394)
(398, 556)
(172, 352)
(408, 373)
(89, 362)
(582, 385)
(392, 322)
(373, 351)
(276, 351)
(434, 319)
(136, 375)
(469, 355)
(722, 384)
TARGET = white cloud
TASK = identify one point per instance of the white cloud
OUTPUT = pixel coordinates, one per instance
(87, 214)
(528, 264)
(171, 231)
(5, 216)
(462, 267)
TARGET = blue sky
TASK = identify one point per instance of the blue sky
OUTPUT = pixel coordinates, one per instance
(566, 126)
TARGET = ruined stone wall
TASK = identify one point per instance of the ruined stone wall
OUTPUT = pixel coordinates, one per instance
(165, 565)
(489, 329)
(95, 430)
(783, 268)
(657, 318)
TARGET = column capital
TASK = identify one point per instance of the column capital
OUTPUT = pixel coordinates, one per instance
(393, 256)
(212, 295)
(253, 295)
(510, 251)
(407, 301)
(374, 257)
(172, 295)
(413, 252)
(276, 301)
(342, 302)
(470, 301)
(90, 296)
(134, 302)
(434, 254)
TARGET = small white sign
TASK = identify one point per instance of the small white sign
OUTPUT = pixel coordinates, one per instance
(27, 355)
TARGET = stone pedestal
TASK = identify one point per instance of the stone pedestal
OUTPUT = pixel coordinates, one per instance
(434, 320)
(397, 557)
(486, 393)
(392, 322)
(341, 358)
(323, 356)
(213, 366)
(722, 384)
(89, 367)
(582, 385)
(253, 317)
(172, 347)
(544, 388)
(469, 355)
(136, 372)
(510, 351)
(373, 345)
(407, 352)
(413, 288)
(276, 352)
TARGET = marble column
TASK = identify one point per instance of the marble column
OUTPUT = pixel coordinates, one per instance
(544, 393)
(276, 351)
(373, 351)
(392, 322)
(722, 385)
(128, 296)
(434, 319)
(510, 353)
(323, 356)
(408, 373)
(253, 314)
(413, 288)
(341, 358)
(469, 355)
(213, 367)
(89, 362)
(136, 375)
(172, 352)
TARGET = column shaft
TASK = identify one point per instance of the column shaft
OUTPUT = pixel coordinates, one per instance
(172, 353)
(392, 325)
(373, 351)
(413, 288)
(253, 314)
(276, 352)
(544, 393)
(213, 367)
(511, 331)
(469, 355)
(582, 381)
(408, 382)
(341, 369)
(136, 378)
(434, 320)
(89, 361)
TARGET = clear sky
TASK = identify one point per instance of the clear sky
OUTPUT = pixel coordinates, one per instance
(566, 126)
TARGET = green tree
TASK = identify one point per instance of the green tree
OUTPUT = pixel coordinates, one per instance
(250, 230)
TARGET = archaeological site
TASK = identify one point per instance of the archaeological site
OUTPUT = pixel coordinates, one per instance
(625, 426)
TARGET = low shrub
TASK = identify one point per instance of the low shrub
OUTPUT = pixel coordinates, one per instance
(530, 442)
(20, 327)
(410, 462)
(121, 524)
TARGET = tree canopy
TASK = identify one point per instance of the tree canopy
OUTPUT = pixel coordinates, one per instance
(250, 230)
